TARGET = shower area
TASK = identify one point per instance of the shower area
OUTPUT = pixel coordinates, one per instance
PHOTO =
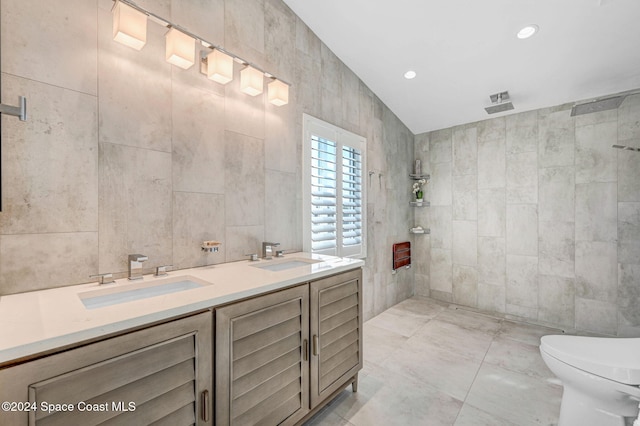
(536, 215)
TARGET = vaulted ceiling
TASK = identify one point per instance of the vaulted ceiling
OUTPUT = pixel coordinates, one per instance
(465, 50)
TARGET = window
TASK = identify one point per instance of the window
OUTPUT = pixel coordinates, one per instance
(334, 205)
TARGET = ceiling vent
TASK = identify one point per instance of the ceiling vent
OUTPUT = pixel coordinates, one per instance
(499, 103)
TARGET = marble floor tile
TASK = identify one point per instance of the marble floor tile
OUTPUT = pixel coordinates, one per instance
(427, 363)
(379, 343)
(519, 357)
(442, 369)
(399, 401)
(448, 336)
(526, 333)
(471, 416)
(515, 397)
(471, 320)
(399, 321)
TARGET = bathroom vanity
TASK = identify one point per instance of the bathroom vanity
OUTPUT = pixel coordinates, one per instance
(266, 342)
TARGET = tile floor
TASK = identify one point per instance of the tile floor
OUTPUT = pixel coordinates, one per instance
(427, 363)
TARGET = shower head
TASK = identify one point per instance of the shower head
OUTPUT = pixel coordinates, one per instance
(597, 105)
(500, 103)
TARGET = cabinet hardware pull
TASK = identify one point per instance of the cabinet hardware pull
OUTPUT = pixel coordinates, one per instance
(204, 403)
(315, 345)
(305, 350)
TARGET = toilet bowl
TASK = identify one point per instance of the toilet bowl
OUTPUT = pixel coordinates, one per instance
(600, 376)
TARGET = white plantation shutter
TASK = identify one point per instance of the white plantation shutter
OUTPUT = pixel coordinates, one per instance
(333, 193)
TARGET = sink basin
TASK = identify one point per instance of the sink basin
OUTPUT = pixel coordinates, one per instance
(276, 265)
(127, 293)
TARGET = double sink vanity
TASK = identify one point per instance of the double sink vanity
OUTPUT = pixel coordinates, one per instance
(267, 342)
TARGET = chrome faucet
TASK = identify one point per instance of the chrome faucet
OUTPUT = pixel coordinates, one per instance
(267, 249)
(135, 266)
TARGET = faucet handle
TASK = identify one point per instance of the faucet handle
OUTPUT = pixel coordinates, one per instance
(253, 257)
(138, 258)
(104, 278)
(161, 271)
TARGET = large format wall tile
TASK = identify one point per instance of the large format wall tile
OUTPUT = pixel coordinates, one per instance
(596, 316)
(57, 259)
(441, 227)
(50, 176)
(522, 178)
(441, 273)
(556, 300)
(202, 17)
(557, 194)
(491, 297)
(595, 158)
(135, 206)
(628, 119)
(465, 151)
(491, 163)
(522, 229)
(282, 212)
(628, 173)
(244, 29)
(629, 233)
(440, 146)
(556, 138)
(629, 295)
(522, 132)
(556, 249)
(522, 281)
(465, 197)
(596, 212)
(491, 260)
(198, 159)
(465, 285)
(134, 93)
(243, 114)
(596, 271)
(244, 180)
(243, 240)
(280, 39)
(197, 218)
(491, 212)
(51, 43)
(440, 184)
(465, 240)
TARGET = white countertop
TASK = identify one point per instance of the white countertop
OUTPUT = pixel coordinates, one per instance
(39, 321)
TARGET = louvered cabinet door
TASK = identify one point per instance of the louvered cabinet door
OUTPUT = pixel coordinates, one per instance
(336, 332)
(158, 375)
(261, 359)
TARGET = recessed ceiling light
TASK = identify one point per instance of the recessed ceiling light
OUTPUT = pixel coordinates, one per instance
(527, 31)
(409, 75)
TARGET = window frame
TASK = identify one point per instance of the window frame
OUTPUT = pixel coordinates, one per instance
(313, 126)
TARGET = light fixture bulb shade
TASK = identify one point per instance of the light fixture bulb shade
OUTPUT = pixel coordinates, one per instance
(129, 26)
(181, 49)
(251, 81)
(219, 67)
(278, 93)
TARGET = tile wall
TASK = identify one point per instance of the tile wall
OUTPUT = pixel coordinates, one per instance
(124, 153)
(535, 216)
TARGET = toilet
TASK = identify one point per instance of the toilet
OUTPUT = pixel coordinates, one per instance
(601, 378)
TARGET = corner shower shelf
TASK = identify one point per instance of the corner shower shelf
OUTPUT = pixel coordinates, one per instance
(423, 204)
(418, 177)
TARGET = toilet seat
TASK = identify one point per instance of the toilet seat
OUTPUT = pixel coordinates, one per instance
(616, 359)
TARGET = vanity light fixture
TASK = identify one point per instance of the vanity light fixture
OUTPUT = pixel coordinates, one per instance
(130, 29)
(219, 66)
(278, 92)
(129, 26)
(251, 81)
(180, 49)
(527, 31)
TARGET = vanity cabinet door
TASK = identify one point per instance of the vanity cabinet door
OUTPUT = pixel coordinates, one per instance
(161, 375)
(336, 333)
(261, 359)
